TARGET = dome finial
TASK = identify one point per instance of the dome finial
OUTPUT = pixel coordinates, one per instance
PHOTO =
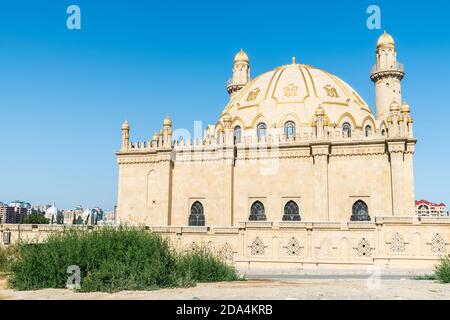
(405, 107)
(385, 40)
(241, 56)
(320, 111)
(293, 60)
(394, 106)
(167, 121)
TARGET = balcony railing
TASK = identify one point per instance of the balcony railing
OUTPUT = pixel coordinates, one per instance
(230, 82)
(394, 67)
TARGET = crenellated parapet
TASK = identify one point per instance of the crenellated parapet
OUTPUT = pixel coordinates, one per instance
(221, 145)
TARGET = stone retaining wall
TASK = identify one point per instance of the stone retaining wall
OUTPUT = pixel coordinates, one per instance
(390, 242)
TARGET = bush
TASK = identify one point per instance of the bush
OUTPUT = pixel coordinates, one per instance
(201, 265)
(442, 270)
(111, 260)
(7, 256)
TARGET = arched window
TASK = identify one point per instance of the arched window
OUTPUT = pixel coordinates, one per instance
(257, 212)
(368, 130)
(291, 212)
(261, 130)
(289, 129)
(237, 134)
(360, 211)
(346, 130)
(197, 217)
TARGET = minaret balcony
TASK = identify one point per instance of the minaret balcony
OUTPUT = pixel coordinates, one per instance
(233, 87)
(396, 69)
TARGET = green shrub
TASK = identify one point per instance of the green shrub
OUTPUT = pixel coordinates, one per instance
(442, 270)
(111, 260)
(7, 256)
(201, 265)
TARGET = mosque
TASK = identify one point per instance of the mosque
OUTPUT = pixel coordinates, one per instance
(297, 171)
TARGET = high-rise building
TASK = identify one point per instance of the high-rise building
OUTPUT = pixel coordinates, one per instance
(12, 214)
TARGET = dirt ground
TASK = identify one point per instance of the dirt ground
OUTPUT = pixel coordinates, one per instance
(291, 289)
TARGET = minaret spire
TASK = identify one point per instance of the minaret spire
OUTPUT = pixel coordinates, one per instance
(241, 73)
(125, 135)
(387, 75)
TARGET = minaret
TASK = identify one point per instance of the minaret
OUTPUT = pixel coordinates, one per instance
(241, 73)
(125, 135)
(167, 131)
(407, 121)
(387, 75)
(155, 140)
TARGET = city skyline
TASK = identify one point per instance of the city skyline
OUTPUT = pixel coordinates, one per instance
(66, 93)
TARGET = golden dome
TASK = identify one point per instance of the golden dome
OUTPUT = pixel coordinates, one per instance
(241, 56)
(125, 125)
(394, 106)
(389, 119)
(155, 136)
(167, 121)
(405, 108)
(161, 132)
(385, 40)
(296, 91)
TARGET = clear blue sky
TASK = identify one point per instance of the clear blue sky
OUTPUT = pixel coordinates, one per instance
(64, 94)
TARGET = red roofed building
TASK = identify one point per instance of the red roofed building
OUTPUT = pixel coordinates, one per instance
(426, 208)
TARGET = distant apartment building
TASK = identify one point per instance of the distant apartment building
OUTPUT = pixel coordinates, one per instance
(40, 209)
(11, 215)
(426, 208)
(5, 212)
(78, 215)
(74, 215)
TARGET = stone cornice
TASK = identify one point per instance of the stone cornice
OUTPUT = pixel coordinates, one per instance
(298, 150)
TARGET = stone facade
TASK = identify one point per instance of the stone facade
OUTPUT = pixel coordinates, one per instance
(294, 134)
